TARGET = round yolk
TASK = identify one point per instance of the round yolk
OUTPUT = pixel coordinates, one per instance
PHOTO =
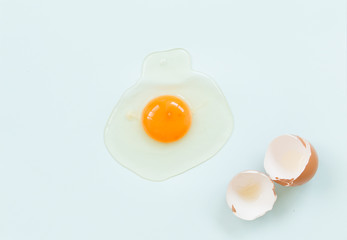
(166, 118)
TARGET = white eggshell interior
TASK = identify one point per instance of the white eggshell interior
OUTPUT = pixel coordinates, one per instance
(168, 73)
(251, 194)
(287, 157)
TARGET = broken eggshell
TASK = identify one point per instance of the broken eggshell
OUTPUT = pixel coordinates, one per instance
(290, 160)
(251, 194)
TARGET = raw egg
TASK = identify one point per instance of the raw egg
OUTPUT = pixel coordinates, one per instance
(171, 120)
(290, 160)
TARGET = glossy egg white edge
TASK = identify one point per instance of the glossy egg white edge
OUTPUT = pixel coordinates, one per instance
(168, 73)
(251, 208)
(287, 157)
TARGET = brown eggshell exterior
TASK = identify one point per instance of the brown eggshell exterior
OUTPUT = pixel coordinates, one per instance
(233, 209)
(306, 175)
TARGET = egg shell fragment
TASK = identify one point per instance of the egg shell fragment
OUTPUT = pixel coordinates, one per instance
(290, 160)
(251, 194)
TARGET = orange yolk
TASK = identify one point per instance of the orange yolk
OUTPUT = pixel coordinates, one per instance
(166, 118)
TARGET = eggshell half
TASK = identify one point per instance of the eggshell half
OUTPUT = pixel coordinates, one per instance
(251, 194)
(290, 160)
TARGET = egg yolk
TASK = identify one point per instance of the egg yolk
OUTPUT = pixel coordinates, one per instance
(166, 118)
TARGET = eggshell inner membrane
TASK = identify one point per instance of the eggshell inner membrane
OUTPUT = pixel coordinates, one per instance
(251, 194)
(287, 157)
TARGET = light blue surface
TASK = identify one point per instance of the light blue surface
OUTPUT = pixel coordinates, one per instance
(64, 65)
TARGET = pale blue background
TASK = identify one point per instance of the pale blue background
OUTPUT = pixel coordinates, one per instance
(64, 65)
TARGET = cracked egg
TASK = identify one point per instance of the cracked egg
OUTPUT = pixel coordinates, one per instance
(289, 161)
